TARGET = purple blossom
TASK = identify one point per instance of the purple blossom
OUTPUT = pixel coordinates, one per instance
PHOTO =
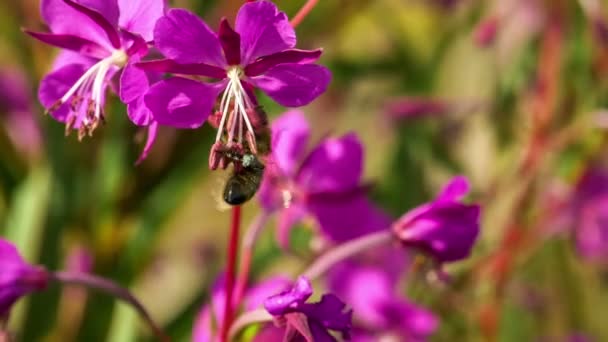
(589, 208)
(17, 112)
(97, 38)
(379, 311)
(17, 277)
(445, 228)
(324, 183)
(213, 314)
(258, 52)
(310, 321)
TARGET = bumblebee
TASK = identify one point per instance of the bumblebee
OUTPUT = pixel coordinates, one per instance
(244, 181)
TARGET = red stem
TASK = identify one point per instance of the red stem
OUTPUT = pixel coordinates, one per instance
(303, 12)
(233, 244)
(247, 246)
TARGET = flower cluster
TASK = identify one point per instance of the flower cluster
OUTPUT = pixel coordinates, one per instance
(212, 76)
(17, 277)
(102, 39)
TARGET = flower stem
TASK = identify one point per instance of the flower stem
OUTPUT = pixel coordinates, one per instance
(303, 12)
(346, 250)
(233, 244)
(113, 289)
(247, 248)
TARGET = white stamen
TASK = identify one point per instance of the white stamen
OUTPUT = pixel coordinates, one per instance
(223, 109)
(236, 95)
(91, 84)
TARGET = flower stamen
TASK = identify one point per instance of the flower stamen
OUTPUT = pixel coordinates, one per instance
(86, 95)
(234, 107)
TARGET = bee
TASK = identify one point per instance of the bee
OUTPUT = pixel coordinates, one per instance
(245, 179)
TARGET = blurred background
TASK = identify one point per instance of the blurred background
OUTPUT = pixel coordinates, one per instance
(510, 93)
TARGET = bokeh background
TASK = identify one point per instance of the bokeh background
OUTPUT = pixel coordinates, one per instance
(510, 93)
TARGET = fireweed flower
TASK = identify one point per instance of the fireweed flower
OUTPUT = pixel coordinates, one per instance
(259, 52)
(309, 320)
(381, 313)
(211, 316)
(17, 277)
(445, 229)
(324, 183)
(589, 215)
(98, 38)
(17, 111)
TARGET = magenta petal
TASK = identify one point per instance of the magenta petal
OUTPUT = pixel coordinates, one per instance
(455, 189)
(133, 83)
(231, 43)
(290, 134)
(180, 102)
(255, 296)
(139, 113)
(288, 56)
(54, 85)
(348, 218)
(288, 218)
(264, 30)
(152, 130)
(98, 15)
(17, 277)
(202, 326)
(290, 299)
(170, 66)
(184, 37)
(67, 57)
(335, 165)
(294, 85)
(108, 9)
(70, 42)
(63, 19)
(140, 16)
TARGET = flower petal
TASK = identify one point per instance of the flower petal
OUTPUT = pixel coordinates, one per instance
(108, 9)
(152, 130)
(67, 57)
(184, 37)
(335, 165)
(256, 295)
(288, 56)
(454, 190)
(294, 85)
(180, 102)
(54, 85)
(71, 42)
(65, 19)
(290, 134)
(348, 218)
(140, 16)
(264, 30)
(170, 66)
(139, 113)
(109, 27)
(288, 218)
(231, 43)
(290, 299)
(133, 84)
(202, 326)
(330, 313)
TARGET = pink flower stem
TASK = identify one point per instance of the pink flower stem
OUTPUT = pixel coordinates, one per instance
(303, 12)
(113, 289)
(233, 244)
(247, 248)
(347, 250)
